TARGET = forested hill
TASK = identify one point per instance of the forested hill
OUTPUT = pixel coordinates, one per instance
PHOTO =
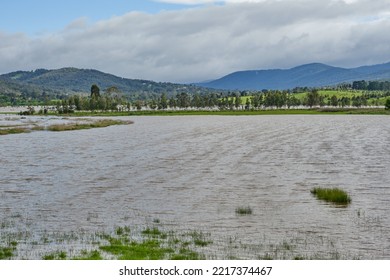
(308, 75)
(67, 81)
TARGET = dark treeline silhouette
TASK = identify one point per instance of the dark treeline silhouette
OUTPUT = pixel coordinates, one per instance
(371, 85)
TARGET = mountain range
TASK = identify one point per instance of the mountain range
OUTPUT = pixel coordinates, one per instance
(308, 75)
(43, 84)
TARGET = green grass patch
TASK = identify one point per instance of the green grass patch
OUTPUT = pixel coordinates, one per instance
(334, 195)
(145, 250)
(6, 252)
(89, 255)
(153, 245)
(247, 210)
(60, 255)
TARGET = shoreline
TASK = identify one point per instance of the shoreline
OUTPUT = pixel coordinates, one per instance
(211, 111)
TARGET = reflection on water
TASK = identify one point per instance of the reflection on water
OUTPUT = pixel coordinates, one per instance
(193, 172)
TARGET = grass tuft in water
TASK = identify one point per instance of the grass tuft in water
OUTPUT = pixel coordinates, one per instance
(199, 239)
(244, 210)
(122, 230)
(8, 251)
(154, 232)
(334, 195)
(89, 255)
(60, 255)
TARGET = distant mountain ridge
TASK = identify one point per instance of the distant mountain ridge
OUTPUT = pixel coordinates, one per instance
(42, 84)
(73, 80)
(307, 75)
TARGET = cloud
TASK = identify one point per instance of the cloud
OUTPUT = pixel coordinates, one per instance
(204, 43)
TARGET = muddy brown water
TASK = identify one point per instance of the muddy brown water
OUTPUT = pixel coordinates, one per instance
(192, 172)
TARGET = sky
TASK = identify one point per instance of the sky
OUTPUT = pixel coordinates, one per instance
(191, 40)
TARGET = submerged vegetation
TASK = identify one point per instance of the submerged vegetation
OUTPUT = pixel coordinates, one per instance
(78, 124)
(8, 251)
(13, 130)
(334, 195)
(162, 244)
(88, 125)
(244, 210)
(167, 241)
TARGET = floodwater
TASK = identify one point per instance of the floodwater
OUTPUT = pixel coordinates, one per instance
(192, 172)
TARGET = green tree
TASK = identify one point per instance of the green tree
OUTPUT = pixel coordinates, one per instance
(113, 90)
(95, 91)
(387, 104)
(334, 101)
(292, 101)
(172, 102)
(163, 102)
(247, 104)
(313, 98)
(183, 100)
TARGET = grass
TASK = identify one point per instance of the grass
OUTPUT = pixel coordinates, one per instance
(7, 252)
(244, 210)
(154, 232)
(13, 130)
(123, 244)
(89, 255)
(334, 195)
(64, 127)
(132, 250)
(162, 242)
(78, 126)
(158, 245)
(60, 255)
(122, 230)
(199, 239)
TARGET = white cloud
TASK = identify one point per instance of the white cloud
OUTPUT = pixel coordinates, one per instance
(205, 43)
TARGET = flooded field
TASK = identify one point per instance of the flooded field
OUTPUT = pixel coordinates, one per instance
(193, 173)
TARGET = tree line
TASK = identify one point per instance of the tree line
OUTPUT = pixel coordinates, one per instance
(113, 100)
(371, 85)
